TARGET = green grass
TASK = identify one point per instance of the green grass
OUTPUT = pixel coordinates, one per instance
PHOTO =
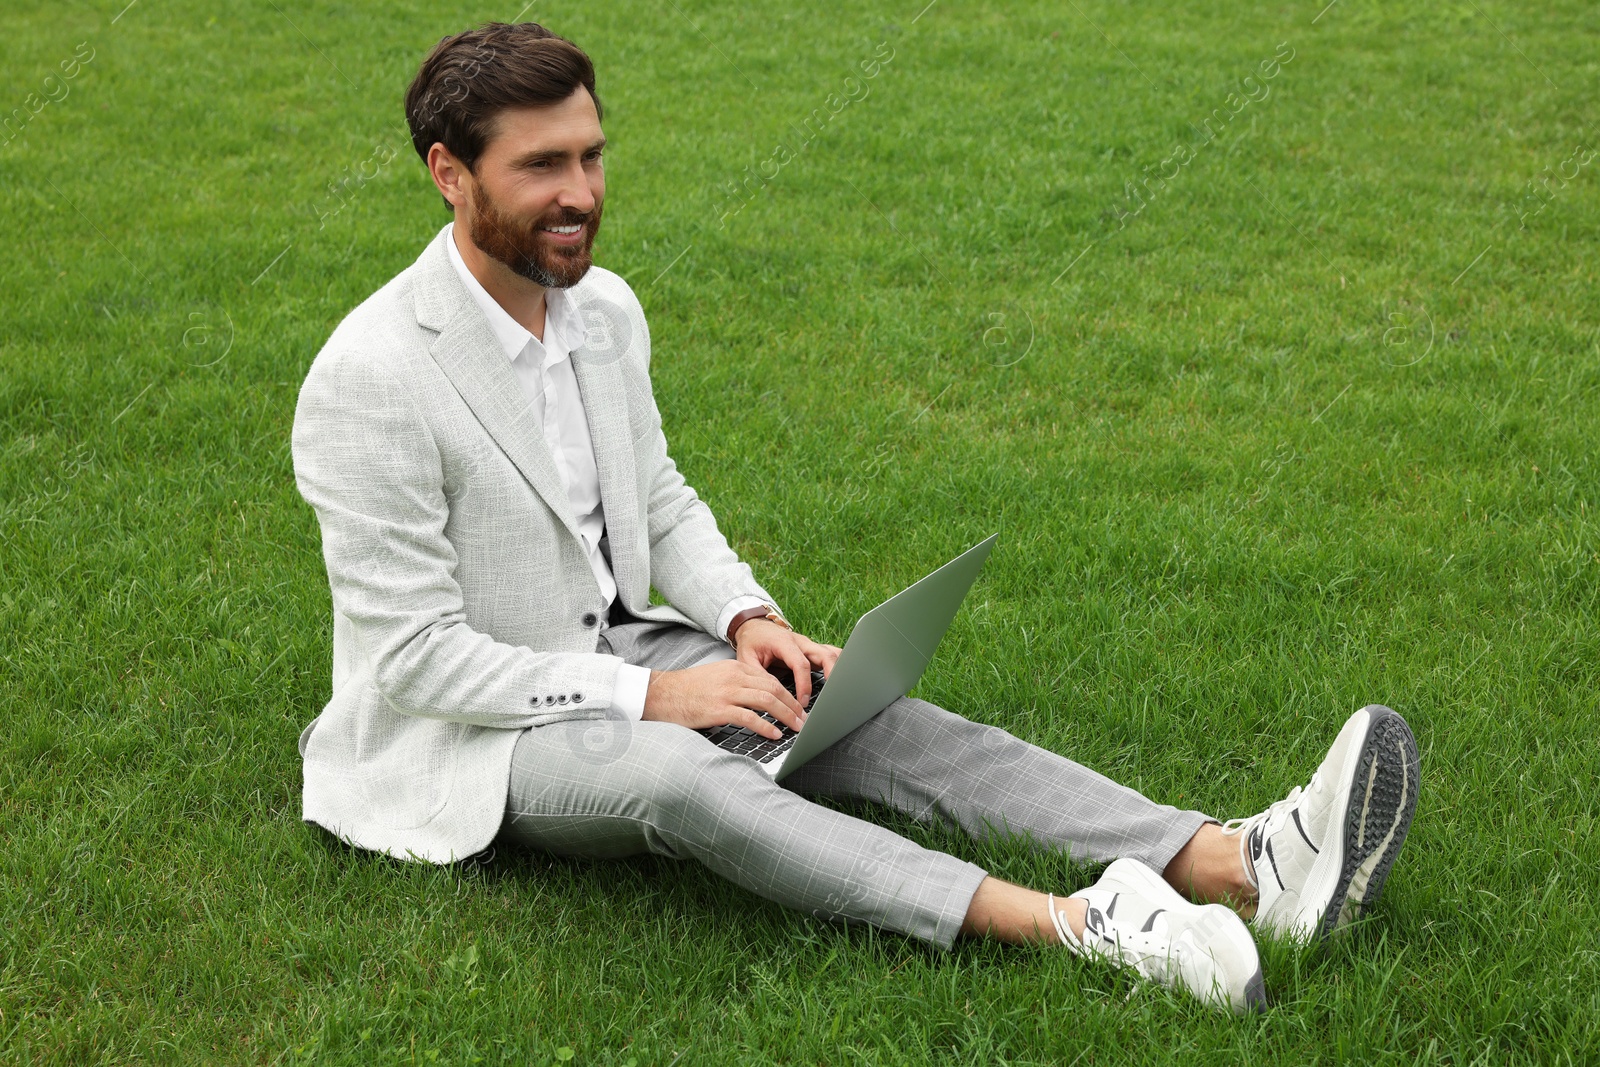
(1279, 447)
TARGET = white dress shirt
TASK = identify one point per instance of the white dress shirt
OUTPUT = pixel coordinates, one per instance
(544, 372)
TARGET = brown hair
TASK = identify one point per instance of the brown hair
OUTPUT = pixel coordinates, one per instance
(468, 79)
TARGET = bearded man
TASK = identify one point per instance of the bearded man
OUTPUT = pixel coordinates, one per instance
(485, 457)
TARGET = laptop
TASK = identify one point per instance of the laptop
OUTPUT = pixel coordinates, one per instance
(886, 653)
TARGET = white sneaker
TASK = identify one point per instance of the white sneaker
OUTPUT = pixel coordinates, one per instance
(1319, 856)
(1137, 920)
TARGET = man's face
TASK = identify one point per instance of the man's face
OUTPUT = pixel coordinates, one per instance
(535, 198)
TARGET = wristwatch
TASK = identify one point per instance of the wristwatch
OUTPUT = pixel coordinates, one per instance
(762, 611)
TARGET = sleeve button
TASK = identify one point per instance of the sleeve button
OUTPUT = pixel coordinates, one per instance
(550, 700)
(577, 698)
(590, 619)
(534, 701)
(562, 699)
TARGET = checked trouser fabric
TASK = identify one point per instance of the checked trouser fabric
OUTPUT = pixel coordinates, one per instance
(607, 788)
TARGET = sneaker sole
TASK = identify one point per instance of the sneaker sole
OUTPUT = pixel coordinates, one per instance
(1381, 798)
(1219, 932)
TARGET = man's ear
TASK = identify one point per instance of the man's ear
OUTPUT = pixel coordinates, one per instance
(448, 174)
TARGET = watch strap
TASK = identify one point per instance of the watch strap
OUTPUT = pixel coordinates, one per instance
(760, 611)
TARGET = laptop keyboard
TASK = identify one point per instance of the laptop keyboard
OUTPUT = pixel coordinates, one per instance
(746, 742)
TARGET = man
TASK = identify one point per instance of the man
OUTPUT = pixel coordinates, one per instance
(486, 460)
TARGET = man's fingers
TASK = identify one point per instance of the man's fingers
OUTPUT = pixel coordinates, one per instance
(822, 656)
(779, 707)
(800, 665)
(786, 698)
(786, 652)
(752, 721)
(762, 679)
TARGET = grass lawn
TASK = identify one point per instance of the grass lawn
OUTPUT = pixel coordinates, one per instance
(1281, 392)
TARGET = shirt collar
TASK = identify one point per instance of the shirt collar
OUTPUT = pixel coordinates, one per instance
(564, 329)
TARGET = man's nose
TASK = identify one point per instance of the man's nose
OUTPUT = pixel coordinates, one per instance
(575, 192)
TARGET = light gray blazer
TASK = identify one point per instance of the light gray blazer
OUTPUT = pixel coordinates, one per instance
(464, 608)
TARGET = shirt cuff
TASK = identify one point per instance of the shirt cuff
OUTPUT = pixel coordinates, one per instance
(736, 605)
(627, 695)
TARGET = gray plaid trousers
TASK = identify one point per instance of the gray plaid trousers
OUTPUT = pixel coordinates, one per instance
(608, 788)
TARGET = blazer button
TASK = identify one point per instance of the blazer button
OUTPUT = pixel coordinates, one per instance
(562, 699)
(591, 619)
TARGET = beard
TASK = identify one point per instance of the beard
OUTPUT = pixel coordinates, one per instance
(523, 247)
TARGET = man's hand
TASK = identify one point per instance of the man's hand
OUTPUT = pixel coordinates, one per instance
(761, 642)
(722, 692)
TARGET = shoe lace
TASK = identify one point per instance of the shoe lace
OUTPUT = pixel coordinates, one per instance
(1269, 821)
(1157, 959)
(1149, 957)
(1153, 957)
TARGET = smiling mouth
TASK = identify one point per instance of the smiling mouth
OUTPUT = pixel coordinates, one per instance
(565, 231)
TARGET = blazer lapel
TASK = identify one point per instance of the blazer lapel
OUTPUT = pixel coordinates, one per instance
(466, 350)
(605, 407)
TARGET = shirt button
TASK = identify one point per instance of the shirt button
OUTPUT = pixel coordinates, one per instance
(590, 618)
